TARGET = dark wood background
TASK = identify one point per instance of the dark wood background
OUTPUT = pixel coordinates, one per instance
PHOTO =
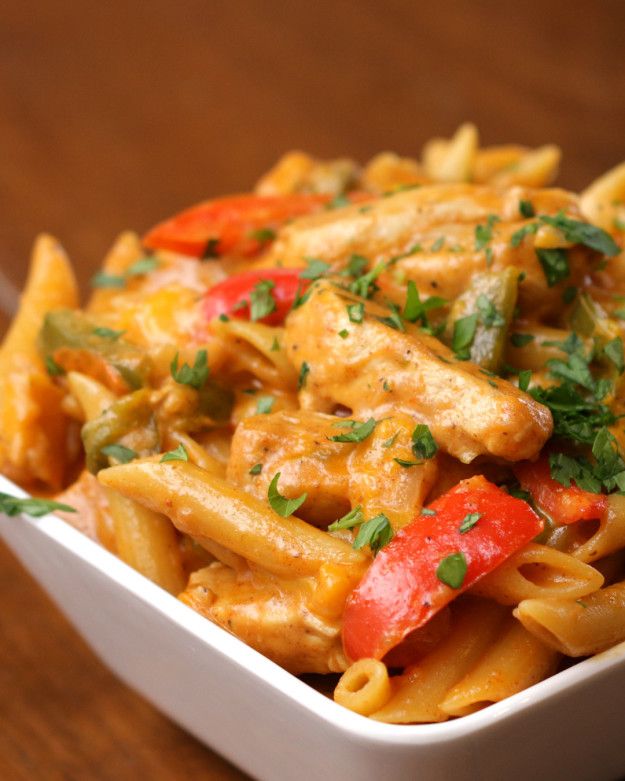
(115, 114)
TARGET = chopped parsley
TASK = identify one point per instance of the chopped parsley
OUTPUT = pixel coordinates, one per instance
(452, 570)
(438, 244)
(141, 266)
(365, 285)
(264, 405)
(484, 233)
(468, 522)
(356, 266)
(104, 280)
(407, 464)
(489, 314)
(463, 335)
(376, 533)
(303, 375)
(356, 312)
(526, 209)
(582, 233)
(195, 376)
(338, 202)
(275, 345)
(280, 504)
(427, 511)
(520, 340)
(120, 453)
(315, 268)
(525, 377)
(574, 231)
(301, 298)
(108, 333)
(391, 440)
(555, 264)
(262, 235)
(393, 320)
(262, 302)
(53, 368)
(358, 432)
(517, 237)
(344, 333)
(423, 443)
(256, 469)
(11, 505)
(353, 518)
(179, 454)
(607, 471)
(416, 310)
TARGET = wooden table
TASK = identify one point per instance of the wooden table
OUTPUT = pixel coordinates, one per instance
(116, 114)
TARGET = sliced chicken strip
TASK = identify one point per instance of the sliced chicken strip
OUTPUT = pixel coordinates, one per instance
(376, 371)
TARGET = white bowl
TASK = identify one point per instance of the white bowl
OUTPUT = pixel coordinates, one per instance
(276, 727)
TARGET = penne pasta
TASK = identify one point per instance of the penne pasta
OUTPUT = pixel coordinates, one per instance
(207, 507)
(539, 572)
(417, 695)
(577, 627)
(515, 660)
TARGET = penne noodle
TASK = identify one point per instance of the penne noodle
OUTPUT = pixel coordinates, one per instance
(147, 542)
(539, 572)
(256, 351)
(453, 160)
(577, 627)
(609, 536)
(515, 660)
(602, 201)
(206, 507)
(418, 693)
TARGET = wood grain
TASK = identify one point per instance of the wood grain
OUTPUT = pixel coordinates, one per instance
(115, 114)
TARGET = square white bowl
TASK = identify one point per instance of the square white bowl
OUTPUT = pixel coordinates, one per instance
(276, 727)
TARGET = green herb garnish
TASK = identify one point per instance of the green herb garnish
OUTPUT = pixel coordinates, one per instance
(452, 570)
(280, 504)
(359, 431)
(120, 453)
(179, 454)
(195, 376)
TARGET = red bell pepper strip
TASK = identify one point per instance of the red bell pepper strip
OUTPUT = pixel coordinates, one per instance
(235, 225)
(563, 505)
(401, 590)
(232, 296)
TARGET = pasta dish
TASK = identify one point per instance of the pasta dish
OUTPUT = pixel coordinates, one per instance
(365, 418)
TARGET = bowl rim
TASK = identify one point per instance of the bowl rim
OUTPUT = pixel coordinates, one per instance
(299, 692)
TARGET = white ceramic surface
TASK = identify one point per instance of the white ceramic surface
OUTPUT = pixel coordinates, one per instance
(277, 728)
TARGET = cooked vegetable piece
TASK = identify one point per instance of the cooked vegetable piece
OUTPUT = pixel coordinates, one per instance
(492, 297)
(466, 415)
(128, 413)
(230, 225)
(234, 297)
(430, 562)
(563, 505)
(67, 330)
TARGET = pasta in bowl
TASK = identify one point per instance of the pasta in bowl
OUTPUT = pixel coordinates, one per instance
(366, 420)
